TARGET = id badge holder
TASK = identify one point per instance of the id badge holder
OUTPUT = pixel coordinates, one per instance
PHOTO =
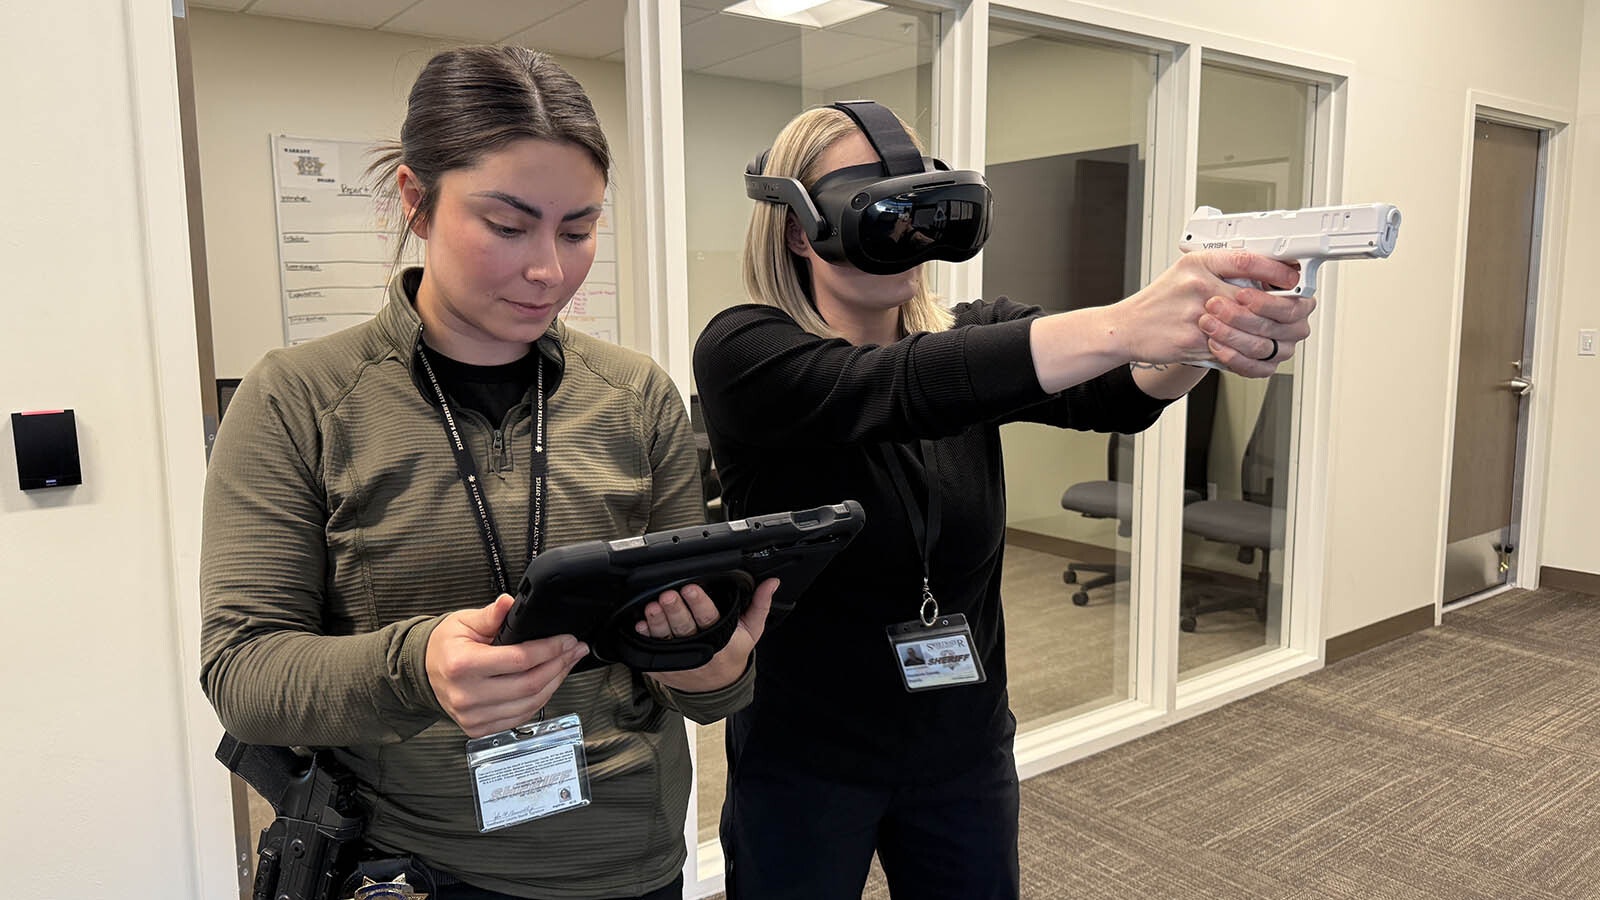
(935, 655)
(529, 772)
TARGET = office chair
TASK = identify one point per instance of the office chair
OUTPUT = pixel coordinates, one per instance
(1113, 497)
(1256, 521)
(1103, 500)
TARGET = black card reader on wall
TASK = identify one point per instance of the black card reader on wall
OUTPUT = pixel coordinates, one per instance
(47, 448)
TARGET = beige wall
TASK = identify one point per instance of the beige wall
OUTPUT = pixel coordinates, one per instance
(1573, 498)
(98, 793)
(256, 76)
(1096, 99)
(726, 122)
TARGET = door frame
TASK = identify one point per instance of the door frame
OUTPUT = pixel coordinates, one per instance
(168, 282)
(1550, 230)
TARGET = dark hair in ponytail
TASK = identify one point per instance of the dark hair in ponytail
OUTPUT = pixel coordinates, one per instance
(471, 101)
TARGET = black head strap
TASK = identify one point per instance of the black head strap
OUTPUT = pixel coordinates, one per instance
(900, 156)
(887, 136)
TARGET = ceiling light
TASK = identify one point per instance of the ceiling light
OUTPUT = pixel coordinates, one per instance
(783, 9)
(805, 13)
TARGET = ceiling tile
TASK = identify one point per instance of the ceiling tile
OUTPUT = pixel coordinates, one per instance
(689, 15)
(724, 37)
(477, 20)
(355, 13)
(590, 30)
(826, 76)
(778, 64)
(808, 60)
(819, 49)
(895, 25)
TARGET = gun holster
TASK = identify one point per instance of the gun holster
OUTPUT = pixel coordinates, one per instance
(310, 849)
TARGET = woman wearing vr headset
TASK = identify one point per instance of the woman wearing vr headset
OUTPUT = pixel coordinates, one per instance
(371, 491)
(848, 379)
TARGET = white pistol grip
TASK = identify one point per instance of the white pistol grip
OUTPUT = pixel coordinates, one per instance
(1306, 288)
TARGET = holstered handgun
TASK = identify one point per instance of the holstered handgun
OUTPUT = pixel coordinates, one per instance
(308, 849)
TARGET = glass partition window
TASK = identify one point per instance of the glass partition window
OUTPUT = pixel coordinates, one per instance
(1069, 179)
(746, 74)
(1255, 154)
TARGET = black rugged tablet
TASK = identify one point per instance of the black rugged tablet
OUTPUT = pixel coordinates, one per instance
(597, 590)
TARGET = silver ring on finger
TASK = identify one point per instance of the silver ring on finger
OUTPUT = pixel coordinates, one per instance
(1270, 355)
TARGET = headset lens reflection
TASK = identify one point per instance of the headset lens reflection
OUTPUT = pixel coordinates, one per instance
(906, 226)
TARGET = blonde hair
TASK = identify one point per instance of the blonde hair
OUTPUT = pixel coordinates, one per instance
(775, 276)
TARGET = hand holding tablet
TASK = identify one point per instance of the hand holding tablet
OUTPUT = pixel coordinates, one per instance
(598, 590)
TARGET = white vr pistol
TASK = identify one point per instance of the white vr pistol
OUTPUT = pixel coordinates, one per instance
(1311, 236)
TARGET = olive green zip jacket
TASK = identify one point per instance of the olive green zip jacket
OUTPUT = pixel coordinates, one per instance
(338, 534)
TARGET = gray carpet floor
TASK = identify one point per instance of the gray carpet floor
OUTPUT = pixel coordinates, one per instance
(1461, 762)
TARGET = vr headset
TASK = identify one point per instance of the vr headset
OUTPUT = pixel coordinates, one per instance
(886, 217)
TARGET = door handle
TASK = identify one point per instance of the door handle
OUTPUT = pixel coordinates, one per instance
(1519, 384)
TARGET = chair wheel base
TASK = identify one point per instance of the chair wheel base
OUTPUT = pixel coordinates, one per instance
(1069, 577)
(1187, 623)
(1080, 599)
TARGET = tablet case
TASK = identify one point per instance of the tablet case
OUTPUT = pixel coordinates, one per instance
(597, 590)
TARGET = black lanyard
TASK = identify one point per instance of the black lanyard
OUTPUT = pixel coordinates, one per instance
(469, 476)
(924, 529)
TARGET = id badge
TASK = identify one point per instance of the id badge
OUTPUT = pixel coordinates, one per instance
(935, 656)
(529, 772)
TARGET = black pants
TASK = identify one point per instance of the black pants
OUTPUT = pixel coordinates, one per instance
(441, 885)
(459, 891)
(787, 834)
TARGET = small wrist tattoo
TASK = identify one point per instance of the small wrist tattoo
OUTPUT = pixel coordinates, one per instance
(1154, 367)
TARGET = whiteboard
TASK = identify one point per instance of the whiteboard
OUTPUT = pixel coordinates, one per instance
(593, 309)
(336, 244)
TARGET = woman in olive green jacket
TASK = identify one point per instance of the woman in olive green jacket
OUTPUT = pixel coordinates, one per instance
(371, 491)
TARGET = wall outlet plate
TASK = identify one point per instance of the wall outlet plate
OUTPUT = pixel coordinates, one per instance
(1586, 341)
